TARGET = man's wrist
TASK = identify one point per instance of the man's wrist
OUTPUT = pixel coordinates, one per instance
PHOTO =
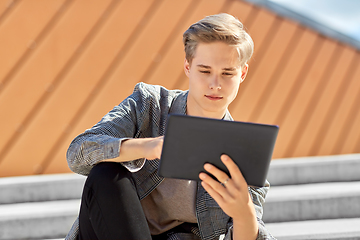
(245, 229)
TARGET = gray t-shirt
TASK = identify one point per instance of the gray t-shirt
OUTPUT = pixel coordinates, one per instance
(170, 204)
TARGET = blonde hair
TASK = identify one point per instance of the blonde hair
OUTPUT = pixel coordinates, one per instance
(220, 27)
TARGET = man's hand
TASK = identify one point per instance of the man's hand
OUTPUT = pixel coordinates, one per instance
(149, 148)
(152, 147)
(232, 195)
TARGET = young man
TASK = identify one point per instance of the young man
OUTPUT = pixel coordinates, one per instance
(123, 196)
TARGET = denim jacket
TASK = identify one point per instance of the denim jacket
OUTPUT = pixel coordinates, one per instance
(144, 114)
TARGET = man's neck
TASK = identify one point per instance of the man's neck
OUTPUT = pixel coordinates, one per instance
(197, 112)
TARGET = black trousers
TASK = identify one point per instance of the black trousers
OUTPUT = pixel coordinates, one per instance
(111, 209)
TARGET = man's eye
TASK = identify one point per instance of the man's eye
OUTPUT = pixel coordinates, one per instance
(205, 72)
(228, 74)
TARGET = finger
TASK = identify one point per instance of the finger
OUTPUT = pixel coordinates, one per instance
(220, 175)
(213, 193)
(214, 185)
(234, 170)
(209, 180)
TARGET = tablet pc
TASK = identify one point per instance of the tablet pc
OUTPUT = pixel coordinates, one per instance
(190, 142)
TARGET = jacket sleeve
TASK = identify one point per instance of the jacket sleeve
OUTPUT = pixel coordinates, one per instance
(258, 197)
(123, 122)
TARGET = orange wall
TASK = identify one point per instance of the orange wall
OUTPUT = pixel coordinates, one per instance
(64, 64)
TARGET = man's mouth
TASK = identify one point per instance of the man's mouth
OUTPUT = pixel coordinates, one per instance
(213, 97)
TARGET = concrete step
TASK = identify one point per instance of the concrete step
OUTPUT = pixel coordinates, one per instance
(38, 220)
(45, 206)
(339, 229)
(312, 201)
(283, 204)
(282, 172)
(337, 168)
(53, 220)
(41, 188)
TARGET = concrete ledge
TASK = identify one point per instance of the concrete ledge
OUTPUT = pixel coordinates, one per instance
(337, 168)
(313, 201)
(37, 220)
(41, 188)
(339, 229)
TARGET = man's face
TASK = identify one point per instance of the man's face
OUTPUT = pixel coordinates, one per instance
(214, 75)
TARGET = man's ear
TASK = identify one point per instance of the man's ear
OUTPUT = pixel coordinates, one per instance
(187, 67)
(244, 71)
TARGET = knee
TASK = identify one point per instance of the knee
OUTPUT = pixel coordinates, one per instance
(106, 173)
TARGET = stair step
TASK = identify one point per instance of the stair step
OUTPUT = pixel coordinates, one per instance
(339, 229)
(38, 220)
(305, 170)
(41, 188)
(284, 203)
(312, 201)
(54, 219)
(45, 206)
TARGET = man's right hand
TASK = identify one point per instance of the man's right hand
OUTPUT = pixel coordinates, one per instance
(153, 147)
(149, 148)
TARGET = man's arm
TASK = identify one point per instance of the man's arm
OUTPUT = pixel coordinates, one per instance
(235, 199)
(135, 148)
(135, 117)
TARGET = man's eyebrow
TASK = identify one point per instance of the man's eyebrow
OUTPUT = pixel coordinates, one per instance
(230, 69)
(208, 67)
(203, 66)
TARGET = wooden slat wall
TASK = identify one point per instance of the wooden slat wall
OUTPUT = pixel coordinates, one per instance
(65, 63)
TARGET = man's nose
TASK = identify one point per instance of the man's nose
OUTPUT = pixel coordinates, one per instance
(215, 82)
